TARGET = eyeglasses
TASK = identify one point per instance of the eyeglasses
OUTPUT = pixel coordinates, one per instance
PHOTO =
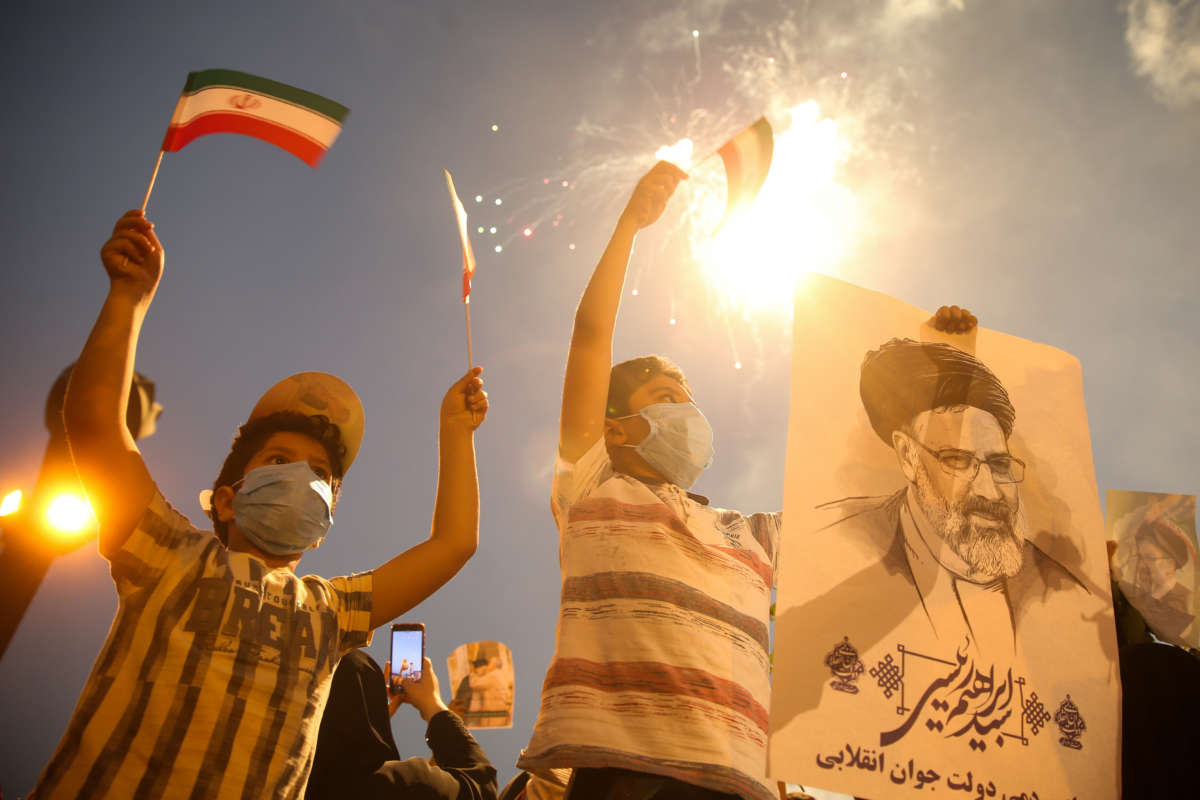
(964, 464)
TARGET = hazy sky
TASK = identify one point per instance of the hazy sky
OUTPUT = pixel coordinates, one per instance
(1035, 160)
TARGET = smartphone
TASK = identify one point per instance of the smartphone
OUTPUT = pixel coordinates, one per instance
(408, 652)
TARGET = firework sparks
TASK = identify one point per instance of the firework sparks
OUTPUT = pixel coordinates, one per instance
(739, 280)
(679, 154)
(802, 220)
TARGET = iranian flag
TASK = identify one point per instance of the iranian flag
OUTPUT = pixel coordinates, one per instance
(747, 159)
(460, 216)
(225, 101)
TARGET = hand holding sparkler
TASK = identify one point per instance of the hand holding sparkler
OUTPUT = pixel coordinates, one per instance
(651, 194)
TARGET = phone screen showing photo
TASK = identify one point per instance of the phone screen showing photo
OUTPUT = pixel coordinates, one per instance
(406, 655)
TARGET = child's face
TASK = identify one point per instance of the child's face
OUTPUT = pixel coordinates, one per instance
(281, 447)
(286, 447)
(659, 389)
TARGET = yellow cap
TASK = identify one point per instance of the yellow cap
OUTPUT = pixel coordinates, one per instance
(318, 393)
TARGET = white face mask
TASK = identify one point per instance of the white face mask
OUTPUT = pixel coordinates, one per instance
(283, 509)
(680, 443)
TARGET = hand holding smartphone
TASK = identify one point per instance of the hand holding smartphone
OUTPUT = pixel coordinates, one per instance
(408, 653)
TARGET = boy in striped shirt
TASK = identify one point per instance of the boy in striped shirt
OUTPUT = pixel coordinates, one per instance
(213, 677)
(660, 681)
(659, 684)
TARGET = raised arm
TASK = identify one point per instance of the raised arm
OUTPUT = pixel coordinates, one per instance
(585, 386)
(419, 571)
(110, 467)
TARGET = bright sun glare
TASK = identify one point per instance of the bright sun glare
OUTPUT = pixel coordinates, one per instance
(68, 513)
(802, 221)
(10, 503)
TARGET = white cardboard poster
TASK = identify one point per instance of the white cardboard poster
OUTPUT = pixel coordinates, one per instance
(944, 617)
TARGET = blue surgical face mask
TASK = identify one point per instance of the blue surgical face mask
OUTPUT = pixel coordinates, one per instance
(283, 509)
(680, 443)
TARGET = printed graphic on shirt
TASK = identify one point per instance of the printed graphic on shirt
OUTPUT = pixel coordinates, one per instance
(228, 615)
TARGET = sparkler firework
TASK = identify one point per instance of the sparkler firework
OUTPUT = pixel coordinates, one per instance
(704, 72)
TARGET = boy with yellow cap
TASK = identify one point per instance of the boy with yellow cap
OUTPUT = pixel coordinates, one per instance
(213, 677)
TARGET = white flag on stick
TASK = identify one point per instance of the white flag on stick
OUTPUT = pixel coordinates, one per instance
(468, 267)
(468, 255)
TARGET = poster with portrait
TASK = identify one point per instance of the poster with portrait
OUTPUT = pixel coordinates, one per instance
(482, 676)
(944, 616)
(1155, 561)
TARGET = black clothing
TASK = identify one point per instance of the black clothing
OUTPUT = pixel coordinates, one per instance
(609, 783)
(1161, 705)
(1131, 625)
(357, 757)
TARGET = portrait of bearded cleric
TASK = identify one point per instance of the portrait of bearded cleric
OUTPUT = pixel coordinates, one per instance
(955, 537)
(1155, 559)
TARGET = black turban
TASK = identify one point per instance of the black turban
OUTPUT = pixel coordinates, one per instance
(903, 378)
(1169, 538)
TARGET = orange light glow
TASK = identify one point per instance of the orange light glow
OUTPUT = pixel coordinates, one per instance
(68, 513)
(10, 503)
(802, 221)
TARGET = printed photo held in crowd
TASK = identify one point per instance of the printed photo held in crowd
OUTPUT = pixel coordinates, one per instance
(482, 676)
(1155, 562)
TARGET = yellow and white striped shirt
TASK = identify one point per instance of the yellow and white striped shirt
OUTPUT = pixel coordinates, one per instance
(213, 677)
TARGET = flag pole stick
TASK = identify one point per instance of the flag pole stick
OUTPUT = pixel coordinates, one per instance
(470, 354)
(153, 177)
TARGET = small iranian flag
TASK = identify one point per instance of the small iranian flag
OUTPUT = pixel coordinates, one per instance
(747, 159)
(225, 101)
(460, 216)
(468, 268)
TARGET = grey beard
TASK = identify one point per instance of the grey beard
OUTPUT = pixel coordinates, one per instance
(987, 552)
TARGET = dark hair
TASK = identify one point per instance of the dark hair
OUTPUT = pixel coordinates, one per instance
(253, 436)
(626, 377)
(1167, 538)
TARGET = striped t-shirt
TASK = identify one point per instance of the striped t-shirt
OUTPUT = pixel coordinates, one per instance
(213, 677)
(661, 657)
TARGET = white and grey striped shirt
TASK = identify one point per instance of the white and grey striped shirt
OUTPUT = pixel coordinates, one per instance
(213, 677)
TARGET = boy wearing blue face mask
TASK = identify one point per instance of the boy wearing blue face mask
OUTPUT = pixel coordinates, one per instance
(659, 683)
(213, 677)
